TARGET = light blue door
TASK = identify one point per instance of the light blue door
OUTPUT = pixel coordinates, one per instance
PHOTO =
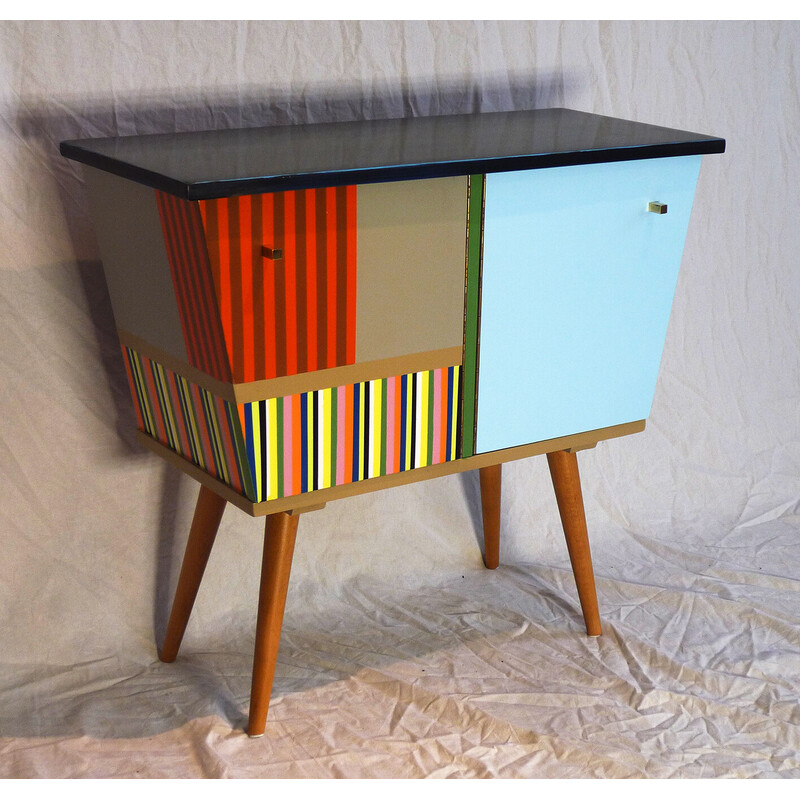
(577, 286)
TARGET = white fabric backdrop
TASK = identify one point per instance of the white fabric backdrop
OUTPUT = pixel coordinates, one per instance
(401, 655)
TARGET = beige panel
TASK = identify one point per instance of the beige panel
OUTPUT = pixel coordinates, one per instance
(411, 264)
(134, 256)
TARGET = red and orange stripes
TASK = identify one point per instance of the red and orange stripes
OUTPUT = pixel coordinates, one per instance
(194, 289)
(295, 314)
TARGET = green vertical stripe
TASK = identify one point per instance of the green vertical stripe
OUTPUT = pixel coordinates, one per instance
(187, 420)
(472, 320)
(137, 385)
(144, 394)
(215, 436)
(194, 425)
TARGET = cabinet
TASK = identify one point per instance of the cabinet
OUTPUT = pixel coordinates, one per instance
(308, 312)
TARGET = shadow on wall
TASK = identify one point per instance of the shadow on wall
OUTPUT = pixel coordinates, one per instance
(45, 125)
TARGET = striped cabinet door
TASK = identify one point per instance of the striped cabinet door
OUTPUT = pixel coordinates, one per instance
(577, 285)
(265, 284)
(284, 271)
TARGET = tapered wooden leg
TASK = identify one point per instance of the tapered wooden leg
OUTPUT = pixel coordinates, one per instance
(279, 538)
(205, 524)
(567, 484)
(491, 482)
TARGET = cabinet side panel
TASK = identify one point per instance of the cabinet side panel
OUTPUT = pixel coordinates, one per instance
(411, 263)
(135, 261)
(578, 280)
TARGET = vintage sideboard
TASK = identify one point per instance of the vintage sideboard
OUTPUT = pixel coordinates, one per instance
(313, 311)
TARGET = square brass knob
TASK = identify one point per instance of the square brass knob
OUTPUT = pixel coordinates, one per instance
(271, 254)
(657, 208)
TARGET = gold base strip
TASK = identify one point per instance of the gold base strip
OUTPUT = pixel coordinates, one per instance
(310, 500)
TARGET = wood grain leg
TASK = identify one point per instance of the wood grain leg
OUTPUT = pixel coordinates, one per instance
(279, 538)
(491, 483)
(205, 524)
(567, 484)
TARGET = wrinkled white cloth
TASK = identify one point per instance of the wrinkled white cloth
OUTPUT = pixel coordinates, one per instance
(401, 655)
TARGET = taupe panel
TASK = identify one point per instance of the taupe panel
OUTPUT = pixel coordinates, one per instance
(135, 261)
(411, 264)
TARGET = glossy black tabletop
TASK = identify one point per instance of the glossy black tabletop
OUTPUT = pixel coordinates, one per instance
(222, 163)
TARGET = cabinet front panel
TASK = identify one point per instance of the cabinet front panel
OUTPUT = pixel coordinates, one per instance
(577, 286)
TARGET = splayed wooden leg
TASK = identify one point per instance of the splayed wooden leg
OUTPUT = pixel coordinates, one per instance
(279, 538)
(567, 484)
(205, 524)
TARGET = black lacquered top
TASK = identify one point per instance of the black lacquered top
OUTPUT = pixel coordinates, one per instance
(210, 164)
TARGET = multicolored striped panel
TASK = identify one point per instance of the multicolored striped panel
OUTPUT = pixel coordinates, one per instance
(187, 254)
(335, 436)
(290, 445)
(194, 423)
(296, 312)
